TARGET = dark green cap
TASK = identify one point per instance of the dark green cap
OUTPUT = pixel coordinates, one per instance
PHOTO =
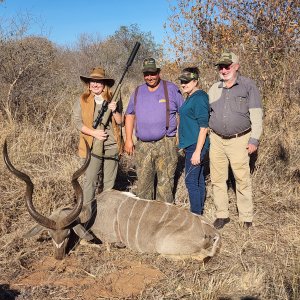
(227, 58)
(149, 65)
(188, 76)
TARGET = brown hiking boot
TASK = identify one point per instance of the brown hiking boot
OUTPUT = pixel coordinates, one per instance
(221, 222)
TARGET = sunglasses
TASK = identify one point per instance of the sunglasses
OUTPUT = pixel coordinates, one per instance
(226, 67)
(184, 81)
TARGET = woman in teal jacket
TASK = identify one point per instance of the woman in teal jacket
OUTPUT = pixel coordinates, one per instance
(193, 138)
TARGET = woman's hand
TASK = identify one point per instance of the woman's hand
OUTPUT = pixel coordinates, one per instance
(112, 106)
(195, 160)
(100, 134)
(116, 115)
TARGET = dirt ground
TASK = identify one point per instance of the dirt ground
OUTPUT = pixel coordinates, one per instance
(90, 271)
(129, 280)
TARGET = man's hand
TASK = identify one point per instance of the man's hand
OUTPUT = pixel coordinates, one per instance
(129, 125)
(251, 148)
(129, 147)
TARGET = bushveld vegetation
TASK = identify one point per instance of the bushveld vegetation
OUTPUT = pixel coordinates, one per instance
(39, 82)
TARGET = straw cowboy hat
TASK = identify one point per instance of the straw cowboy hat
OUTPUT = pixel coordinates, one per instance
(98, 74)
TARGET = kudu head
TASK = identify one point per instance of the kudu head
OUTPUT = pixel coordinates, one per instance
(60, 223)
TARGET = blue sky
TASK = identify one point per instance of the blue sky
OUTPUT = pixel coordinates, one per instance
(62, 21)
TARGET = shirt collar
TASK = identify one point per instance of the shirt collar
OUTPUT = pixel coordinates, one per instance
(98, 99)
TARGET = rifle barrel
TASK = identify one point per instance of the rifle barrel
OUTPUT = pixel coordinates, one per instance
(133, 53)
(128, 64)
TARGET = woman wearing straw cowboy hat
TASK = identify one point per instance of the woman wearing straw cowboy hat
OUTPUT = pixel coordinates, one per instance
(85, 111)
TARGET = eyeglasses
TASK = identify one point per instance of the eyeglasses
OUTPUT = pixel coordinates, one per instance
(226, 67)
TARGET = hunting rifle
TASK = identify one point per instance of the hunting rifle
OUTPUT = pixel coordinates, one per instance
(104, 114)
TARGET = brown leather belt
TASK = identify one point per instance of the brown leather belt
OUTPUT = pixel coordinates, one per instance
(227, 137)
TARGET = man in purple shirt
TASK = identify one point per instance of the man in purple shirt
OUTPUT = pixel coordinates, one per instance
(152, 112)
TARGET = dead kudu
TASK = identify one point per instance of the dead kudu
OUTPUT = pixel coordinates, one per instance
(142, 225)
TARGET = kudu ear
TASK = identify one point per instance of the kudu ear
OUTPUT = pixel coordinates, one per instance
(82, 232)
(34, 230)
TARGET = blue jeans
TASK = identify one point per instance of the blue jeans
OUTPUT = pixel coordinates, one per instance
(195, 181)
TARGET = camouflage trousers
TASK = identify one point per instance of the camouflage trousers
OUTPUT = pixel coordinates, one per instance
(156, 158)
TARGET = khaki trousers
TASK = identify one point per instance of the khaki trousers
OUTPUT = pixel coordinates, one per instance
(234, 152)
(110, 169)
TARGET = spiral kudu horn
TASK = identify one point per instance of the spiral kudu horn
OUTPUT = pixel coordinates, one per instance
(78, 190)
(42, 220)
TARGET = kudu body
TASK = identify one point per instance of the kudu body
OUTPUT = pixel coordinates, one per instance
(142, 225)
(152, 226)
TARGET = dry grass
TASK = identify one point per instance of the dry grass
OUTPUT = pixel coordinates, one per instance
(260, 263)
